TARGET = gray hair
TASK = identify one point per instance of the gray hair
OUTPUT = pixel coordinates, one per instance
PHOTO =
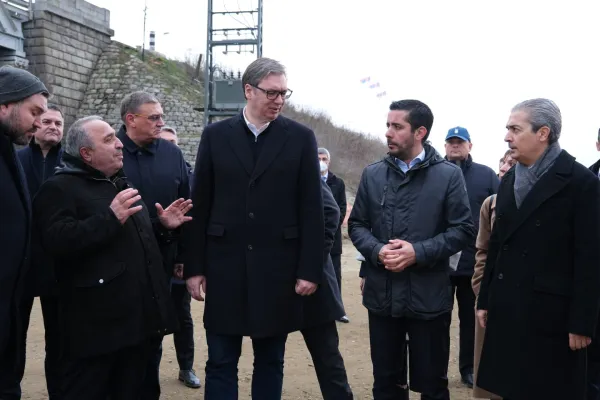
(323, 150)
(542, 112)
(259, 69)
(169, 129)
(77, 136)
(132, 102)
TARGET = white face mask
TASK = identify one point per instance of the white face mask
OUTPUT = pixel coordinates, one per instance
(323, 166)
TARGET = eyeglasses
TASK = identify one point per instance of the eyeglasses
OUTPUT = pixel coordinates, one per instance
(272, 94)
(153, 117)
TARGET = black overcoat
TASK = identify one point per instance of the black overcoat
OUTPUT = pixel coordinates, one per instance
(113, 292)
(257, 226)
(326, 305)
(542, 282)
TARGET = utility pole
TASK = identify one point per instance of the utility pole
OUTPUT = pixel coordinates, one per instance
(144, 40)
(223, 95)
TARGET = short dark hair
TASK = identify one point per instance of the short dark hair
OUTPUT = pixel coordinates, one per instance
(598, 135)
(54, 107)
(419, 114)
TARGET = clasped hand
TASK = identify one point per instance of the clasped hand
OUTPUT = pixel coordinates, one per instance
(397, 255)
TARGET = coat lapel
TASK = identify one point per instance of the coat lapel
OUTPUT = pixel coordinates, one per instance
(273, 145)
(239, 144)
(549, 184)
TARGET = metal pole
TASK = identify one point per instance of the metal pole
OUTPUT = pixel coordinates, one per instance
(208, 75)
(259, 24)
(144, 40)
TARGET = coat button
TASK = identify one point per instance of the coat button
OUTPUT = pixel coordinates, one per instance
(505, 247)
(101, 281)
(500, 276)
(524, 253)
(251, 215)
(250, 247)
(538, 223)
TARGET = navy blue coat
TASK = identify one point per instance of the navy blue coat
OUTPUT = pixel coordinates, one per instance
(15, 211)
(257, 227)
(482, 182)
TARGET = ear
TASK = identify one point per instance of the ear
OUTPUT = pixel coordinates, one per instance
(470, 146)
(544, 133)
(420, 133)
(86, 154)
(130, 119)
(4, 109)
(247, 91)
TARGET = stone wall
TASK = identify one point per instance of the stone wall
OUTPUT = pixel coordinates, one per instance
(120, 71)
(63, 43)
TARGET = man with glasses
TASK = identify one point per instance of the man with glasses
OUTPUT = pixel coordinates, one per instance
(157, 169)
(256, 240)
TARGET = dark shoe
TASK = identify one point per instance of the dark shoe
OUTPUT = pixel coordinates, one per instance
(189, 379)
(467, 379)
(344, 319)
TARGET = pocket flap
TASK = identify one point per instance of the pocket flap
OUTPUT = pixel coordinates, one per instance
(99, 276)
(553, 284)
(215, 230)
(291, 232)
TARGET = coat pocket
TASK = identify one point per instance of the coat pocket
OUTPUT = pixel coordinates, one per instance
(291, 232)
(551, 299)
(215, 230)
(99, 276)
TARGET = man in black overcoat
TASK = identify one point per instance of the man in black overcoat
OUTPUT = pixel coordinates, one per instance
(322, 310)
(540, 293)
(23, 99)
(255, 244)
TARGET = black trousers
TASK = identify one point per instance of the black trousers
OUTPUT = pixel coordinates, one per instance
(323, 344)
(428, 356)
(336, 259)
(461, 287)
(116, 376)
(184, 337)
(52, 366)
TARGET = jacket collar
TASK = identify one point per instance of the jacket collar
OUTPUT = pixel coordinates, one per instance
(130, 145)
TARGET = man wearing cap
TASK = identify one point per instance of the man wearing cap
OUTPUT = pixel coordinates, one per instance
(23, 99)
(481, 182)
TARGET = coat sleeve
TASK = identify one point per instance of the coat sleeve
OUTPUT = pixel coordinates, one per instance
(183, 193)
(483, 238)
(310, 266)
(495, 183)
(359, 223)
(61, 232)
(460, 230)
(331, 213)
(194, 231)
(342, 202)
(583, 315)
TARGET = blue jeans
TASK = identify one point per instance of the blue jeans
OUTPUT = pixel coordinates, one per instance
(221, 367)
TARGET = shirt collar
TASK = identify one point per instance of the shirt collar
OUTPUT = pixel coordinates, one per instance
(253, 128)
(130, 145)
(419, 158)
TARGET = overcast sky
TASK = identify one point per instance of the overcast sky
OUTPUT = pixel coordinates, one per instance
(469, 60)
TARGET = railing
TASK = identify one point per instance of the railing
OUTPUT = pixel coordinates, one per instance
(20, 7)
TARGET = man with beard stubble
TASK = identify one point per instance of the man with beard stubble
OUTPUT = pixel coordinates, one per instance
(23, 99)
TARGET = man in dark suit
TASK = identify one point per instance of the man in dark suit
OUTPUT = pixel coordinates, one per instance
(595, 168)
(114, 301)
(39, 159)
(540, 294)
(338, 189)
(23, 99)
(321, 310)
(257, 234)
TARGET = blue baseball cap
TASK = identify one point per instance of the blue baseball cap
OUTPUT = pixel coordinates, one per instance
(459, 132)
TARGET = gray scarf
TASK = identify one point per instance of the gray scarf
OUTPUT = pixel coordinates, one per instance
(526, 178)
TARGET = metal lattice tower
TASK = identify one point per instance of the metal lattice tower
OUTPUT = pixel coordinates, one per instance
(223, 92)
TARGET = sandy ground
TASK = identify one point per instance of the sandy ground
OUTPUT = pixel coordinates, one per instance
(299, 382)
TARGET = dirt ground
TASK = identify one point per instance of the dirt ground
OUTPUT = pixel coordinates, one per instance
(300, 381)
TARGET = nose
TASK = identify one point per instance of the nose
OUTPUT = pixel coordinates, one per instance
(37, 123)
(508, 137)
(118, 144)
